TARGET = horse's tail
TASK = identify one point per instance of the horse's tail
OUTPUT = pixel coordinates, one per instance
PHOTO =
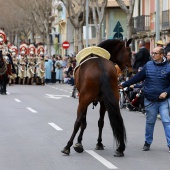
(112, 106)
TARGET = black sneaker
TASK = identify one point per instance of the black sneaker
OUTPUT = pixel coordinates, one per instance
(146, 147)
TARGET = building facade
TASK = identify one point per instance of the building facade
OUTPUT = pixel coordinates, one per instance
(145, 18)
(149, 15)
(114, 26)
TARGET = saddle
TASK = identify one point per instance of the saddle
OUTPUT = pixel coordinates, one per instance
(82, 56)
(101, 52)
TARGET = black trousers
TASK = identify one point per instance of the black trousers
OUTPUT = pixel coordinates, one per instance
(3, 84)
(53, 77)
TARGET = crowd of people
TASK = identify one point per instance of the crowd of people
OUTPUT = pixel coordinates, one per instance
(58, 69)
(29, 65)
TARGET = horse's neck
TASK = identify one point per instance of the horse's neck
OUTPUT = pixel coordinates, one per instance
(116, 61)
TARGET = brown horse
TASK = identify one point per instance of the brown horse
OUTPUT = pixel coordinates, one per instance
(96, 81)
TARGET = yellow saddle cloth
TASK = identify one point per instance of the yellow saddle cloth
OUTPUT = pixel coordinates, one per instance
(92, 50)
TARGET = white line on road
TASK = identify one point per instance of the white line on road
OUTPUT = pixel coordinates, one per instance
(63, 90)
(55, 96)
(32, 110)
(55, 126)
(17, 100)
(101, 159)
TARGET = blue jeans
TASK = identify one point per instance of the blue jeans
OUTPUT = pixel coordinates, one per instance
(163, 108)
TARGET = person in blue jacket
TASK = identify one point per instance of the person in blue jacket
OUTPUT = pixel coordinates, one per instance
(156, 76)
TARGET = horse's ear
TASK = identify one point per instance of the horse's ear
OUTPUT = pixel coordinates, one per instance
(129, 42)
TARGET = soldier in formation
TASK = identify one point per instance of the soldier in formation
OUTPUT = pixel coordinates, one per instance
(26, 68)
(40, 66)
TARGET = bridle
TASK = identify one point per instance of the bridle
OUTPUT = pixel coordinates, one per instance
(125, 71)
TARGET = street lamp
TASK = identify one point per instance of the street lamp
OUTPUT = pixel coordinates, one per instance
(87, 24)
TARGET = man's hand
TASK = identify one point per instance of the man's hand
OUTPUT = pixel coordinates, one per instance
(163, 95)
(133, 52)
(132, 86)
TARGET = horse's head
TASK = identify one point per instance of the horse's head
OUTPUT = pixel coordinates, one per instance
(128, 56)
(120, 52)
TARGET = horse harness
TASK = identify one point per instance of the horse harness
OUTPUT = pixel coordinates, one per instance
(83, 61)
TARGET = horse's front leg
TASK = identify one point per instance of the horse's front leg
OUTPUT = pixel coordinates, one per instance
(78, 147)
(99, 145)
(80, 116)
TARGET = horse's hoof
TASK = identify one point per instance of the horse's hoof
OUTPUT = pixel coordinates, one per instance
(99, 147)
(118, 154)
(66, 151)
(78, 148)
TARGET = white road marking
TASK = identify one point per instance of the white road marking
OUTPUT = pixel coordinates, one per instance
(65, 90)
(32, 110)
(55, 126)
(7, 93)
(59, 89)
(101, 159)
(53, 87)
(17, 100)
(62, 89)
(54, 96)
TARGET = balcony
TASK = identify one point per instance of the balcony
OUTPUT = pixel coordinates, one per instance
(166, 20)
(141, 24)
(133, 25)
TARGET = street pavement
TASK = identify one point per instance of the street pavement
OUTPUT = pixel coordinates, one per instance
(36, 122)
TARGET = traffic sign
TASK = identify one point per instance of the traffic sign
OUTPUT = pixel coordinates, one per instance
(65, 44)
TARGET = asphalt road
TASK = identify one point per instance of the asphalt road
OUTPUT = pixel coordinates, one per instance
(36, 122)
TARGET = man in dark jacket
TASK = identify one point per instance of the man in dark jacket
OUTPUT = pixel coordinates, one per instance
(156, 90)
(141, 57)
(4, 72)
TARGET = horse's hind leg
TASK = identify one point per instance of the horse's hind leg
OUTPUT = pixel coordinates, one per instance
(78, 147)
(99, 145)
(80, 114)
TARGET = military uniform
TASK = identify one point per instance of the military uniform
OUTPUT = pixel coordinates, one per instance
(14, 53)
(40, 68)
(22, 71)
(31, 64)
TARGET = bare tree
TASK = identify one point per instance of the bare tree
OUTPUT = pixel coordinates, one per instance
(98, 10)
(29, 16)
(38, 12)
(76, 13)
(10, 19)
(129, 13)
